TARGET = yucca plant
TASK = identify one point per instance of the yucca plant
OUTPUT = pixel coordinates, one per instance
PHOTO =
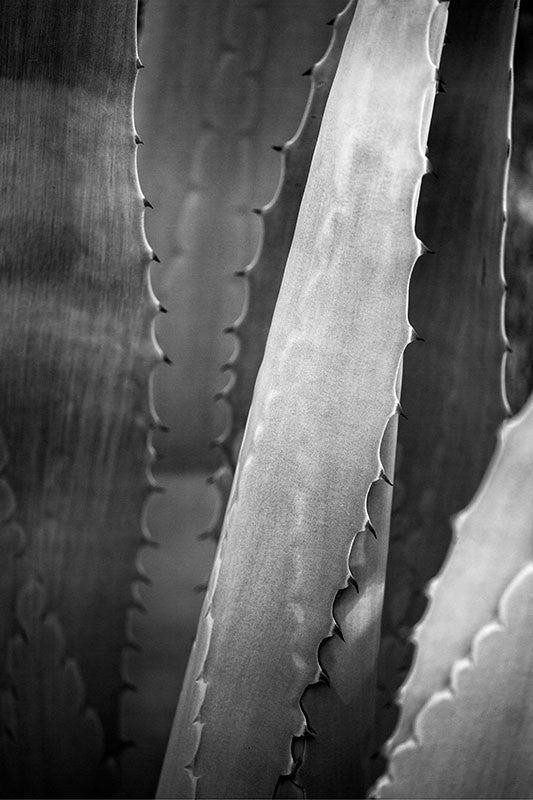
(291, 685)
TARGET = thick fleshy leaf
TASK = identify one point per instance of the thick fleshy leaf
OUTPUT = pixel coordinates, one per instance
(321, 404)
(265, 273)
(337, 760)
(492, 544)
(76, 338)
(220, 88)
(452, 381)
(467, 726)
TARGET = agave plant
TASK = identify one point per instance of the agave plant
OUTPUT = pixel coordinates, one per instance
(386, 230)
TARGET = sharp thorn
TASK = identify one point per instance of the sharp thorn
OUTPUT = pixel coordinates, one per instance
(400, 411)
(307, 72)
(384, 477)
(139, 64)
(337, 630)
(138, 140)
(430, 169)
(240, 273)
(324, 678)
(156, 258)
(147, 203)
(150, 543)
(166, 359)
(205, 535)
(371, 528)
(162, 309)
(331, 21)
(230, 329)
(354, 583)
(277, 147)
(258, 211)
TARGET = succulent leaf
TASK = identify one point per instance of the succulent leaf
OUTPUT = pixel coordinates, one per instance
(321, 403)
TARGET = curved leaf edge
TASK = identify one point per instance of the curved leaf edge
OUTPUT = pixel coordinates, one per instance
(294, 150)
(298, 749)
(386, 751)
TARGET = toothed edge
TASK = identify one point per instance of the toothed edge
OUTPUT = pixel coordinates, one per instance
(233, 430)
(505, 339)
(151, 487)
(322, 75)
(207, 616)
(498, 625)
(506, 348)
(430, 587)
(221, 480)
(350, 578)
(61, 681)
(30, 612)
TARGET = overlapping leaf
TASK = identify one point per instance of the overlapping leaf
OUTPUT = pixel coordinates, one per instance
(466, 726)
(321, 404)
(452, 381)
